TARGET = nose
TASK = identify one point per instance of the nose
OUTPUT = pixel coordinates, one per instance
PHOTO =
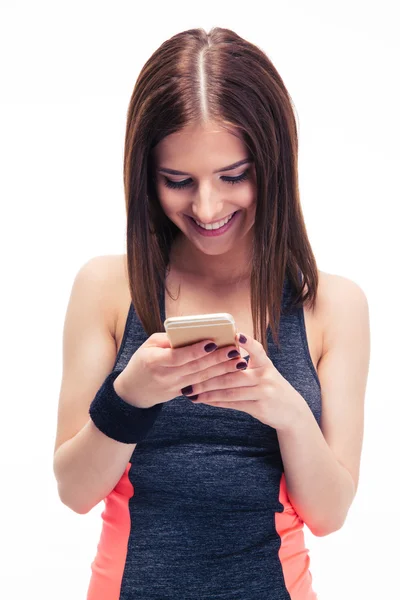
(207, 206)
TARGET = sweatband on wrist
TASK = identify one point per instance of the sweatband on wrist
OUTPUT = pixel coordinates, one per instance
(118, 419)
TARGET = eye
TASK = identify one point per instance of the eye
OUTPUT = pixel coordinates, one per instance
(176, 185)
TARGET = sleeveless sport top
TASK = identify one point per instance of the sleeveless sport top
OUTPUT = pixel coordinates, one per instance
(202, 511)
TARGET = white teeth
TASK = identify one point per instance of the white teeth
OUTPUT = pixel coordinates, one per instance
(214, 225)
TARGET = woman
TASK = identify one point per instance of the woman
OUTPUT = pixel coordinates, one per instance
(210, 462)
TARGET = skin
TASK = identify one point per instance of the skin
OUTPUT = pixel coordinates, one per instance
(208, 197)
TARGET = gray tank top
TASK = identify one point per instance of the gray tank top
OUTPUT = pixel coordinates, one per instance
(202, 512)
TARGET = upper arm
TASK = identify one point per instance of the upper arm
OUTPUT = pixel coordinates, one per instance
(89, 350)
(343, 369)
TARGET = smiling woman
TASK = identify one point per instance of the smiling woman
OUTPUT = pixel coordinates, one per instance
(214, 212)
(208, 500)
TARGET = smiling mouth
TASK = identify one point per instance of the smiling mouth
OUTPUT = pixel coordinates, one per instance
(216, 221)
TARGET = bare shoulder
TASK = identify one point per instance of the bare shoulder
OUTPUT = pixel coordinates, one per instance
(339, 299)
(109, 272)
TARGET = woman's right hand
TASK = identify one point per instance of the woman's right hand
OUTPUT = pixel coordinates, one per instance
(156, 372)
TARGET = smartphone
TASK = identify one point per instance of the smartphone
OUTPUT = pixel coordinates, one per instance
(219, 327)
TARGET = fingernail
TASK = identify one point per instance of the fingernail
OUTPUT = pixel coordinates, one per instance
(209, 347)
(241, 365)
(233, 354)
(187, 390)
(242, 339)
(193, 397)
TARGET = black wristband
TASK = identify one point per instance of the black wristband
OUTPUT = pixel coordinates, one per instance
(118, 419)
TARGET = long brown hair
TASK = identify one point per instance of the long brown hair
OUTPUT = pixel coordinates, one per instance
(218, 76)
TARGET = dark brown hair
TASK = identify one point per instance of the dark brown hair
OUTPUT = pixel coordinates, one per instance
(218, 76)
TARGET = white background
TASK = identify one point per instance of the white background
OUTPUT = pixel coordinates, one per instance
(67, 73)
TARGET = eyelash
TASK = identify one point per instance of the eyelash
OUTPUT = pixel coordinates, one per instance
(182, 184)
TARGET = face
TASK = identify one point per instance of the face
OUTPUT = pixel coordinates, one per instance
(205, 191)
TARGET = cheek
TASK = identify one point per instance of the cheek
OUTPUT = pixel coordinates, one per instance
(248, 200)
(165, 198)
(170, 203)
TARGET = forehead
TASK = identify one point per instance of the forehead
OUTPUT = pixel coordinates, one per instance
(207, 146)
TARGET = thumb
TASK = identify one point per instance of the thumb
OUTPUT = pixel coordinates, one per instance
(158, 339)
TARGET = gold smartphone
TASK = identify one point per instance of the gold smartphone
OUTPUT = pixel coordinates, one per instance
(186, 330)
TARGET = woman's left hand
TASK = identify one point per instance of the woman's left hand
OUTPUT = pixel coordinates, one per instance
(260, 390)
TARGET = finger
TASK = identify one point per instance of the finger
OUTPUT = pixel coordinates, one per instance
(196, 357)
(158, 339)
(255, 349)
(219, 362)
(177, 357)
(231, 376)
(230, 395)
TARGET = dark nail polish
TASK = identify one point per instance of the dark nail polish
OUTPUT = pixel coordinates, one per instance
(210, 347)
(193, 397)
(187, 390)
(242, 339)
(241, 365)
(233, 354)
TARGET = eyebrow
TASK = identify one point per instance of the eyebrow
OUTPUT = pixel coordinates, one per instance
(228, 168)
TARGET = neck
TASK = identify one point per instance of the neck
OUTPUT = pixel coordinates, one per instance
(227, 269)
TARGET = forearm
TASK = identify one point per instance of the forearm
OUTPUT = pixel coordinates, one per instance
(320, 489)
(88, 467)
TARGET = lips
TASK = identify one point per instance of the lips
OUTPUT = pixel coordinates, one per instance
(220, 231)
(217, 220)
